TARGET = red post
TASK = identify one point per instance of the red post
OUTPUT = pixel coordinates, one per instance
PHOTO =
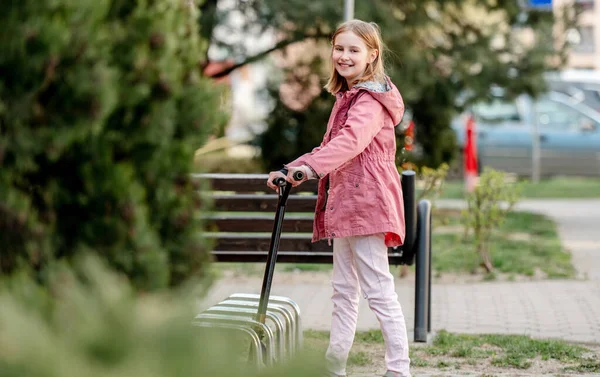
(409, 136)
(470, 155)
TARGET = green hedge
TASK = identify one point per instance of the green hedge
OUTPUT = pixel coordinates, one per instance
(101, 108)
(90, 322)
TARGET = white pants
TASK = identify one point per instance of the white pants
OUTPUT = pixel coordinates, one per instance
(362, 262)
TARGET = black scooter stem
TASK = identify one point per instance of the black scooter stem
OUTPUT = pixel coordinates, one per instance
(272, 256)
(284, 193)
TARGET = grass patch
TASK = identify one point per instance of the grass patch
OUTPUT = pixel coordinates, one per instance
(369, 337)
(586, 367)
(316, 336)
(532, 223)
(523, 243)
(359, 358)
(559, 188)
(511, 351)
(500, 353)
(418, 362)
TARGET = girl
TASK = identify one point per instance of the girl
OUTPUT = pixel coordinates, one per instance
(359, 202)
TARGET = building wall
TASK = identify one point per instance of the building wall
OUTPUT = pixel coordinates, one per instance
(587, 54)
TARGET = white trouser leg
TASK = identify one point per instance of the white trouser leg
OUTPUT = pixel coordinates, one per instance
(377, 283)
(345, 307)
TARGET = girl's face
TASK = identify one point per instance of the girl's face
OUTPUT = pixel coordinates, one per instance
(350, 55)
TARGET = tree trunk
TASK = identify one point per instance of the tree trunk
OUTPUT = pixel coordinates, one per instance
(486, 261)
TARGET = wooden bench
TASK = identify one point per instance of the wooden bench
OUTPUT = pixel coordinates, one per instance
(242, 222)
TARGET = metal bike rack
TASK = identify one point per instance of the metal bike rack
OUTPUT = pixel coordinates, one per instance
(250, 313)
(251, 324)
(256, 349)
(283, 311)
(252, 297)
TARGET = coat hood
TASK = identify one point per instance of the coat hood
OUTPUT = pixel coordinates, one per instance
(387, 94)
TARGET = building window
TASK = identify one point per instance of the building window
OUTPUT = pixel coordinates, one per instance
(586, 40)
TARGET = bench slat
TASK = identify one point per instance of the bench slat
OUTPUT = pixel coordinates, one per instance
(263, 203)
(249, 183)
(285, 257)
(282, 256)
(241, 242)
(255, 223)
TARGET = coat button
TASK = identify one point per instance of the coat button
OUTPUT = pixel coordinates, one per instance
(321, 175)
(332, 234)
(356, 185)
(331, 208)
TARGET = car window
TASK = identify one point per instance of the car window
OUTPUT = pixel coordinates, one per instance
(553, 115)
(592, 97)
(496, 111)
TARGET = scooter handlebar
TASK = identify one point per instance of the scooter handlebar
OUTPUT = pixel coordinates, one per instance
(298, 176)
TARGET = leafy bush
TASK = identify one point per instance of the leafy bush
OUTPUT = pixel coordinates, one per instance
(431, 181)
(487, 207)
(101, 108)
(291, 133)
(90, 322)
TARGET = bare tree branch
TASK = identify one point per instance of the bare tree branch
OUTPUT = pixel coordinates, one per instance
(262, 54)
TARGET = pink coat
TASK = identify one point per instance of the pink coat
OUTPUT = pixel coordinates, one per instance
(356, 160)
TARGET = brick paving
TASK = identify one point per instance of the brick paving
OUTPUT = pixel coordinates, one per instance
(565, 309)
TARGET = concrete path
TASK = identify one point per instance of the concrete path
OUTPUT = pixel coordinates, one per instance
(565, 309)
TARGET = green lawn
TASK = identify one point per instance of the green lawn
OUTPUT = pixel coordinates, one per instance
(561, 187)
(523, 243)
(470, 353)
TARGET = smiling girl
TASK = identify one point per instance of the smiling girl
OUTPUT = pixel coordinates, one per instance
(359, 202)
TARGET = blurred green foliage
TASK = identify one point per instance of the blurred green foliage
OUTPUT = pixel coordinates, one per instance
(102, 105)
(221, 162)
(431, 181)
(487, 206)
(291, 133)
(88, 321)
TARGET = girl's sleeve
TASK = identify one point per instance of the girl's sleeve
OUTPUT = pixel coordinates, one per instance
(302, 159)
(365, 120)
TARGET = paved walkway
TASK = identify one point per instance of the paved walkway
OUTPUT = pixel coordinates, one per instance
(565, 309)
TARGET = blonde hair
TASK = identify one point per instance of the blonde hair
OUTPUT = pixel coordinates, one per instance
(370, 33)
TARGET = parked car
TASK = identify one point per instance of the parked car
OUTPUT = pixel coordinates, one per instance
(581, 84)
(569, 135)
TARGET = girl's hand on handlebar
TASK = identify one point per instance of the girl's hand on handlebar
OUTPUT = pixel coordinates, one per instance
(293, 175)
(272, 177)
(303, 172)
